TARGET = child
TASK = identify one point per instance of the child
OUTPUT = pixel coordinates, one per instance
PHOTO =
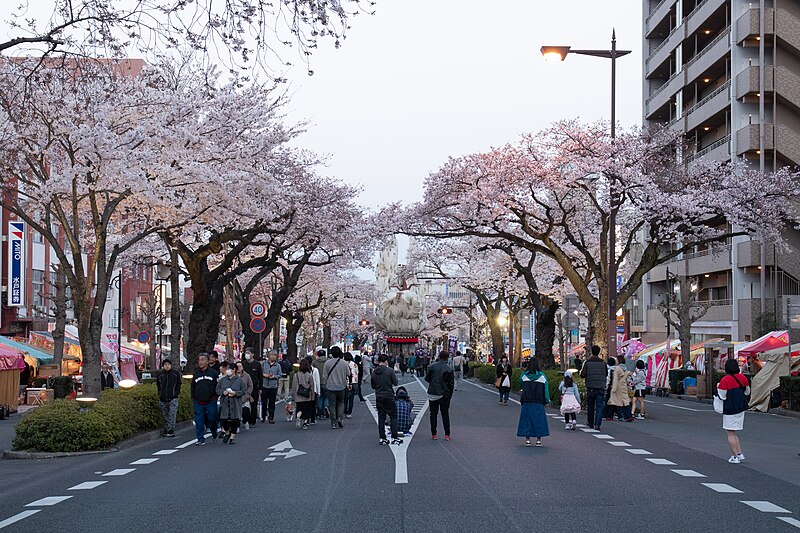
(639, 386)
(403, 405)
(570, 401)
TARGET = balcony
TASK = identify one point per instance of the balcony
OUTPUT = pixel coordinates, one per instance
(747, 138)
(662, 52)
(747, 27)
(699, 15)
(711, 104)
(664, 94)
(714, 259)
(719, 150)
(717, 49)
(657, 15)
(747, 81)
(787, 85)
(779, 137)
(718, 311)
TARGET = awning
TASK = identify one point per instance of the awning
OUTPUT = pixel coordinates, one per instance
(25, 348)
(770, 341)
(794, 350)
(399, 340)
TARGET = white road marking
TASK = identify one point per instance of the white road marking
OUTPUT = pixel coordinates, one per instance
(688, 473)
(638, 451)
(165, 452)
(722, 487)
(287, 455)
(588, 430)
(189, 443)
(580, 425)
(148, 461)
(17, 517)
(766, 507)
(88, 485)
(617, 443)
(481, 387)
(660, 461)
(269, 459)
(50, 500)
(119, 472)
(285, 445)
(688, 408)
(787, 519)
(603, 436)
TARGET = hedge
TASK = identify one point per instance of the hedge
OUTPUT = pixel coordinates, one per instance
(119, 414)
(790, 391)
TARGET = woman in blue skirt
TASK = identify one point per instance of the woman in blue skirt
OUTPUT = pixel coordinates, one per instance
(535, 395)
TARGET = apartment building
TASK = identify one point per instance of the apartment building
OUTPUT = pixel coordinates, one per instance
(704, 77)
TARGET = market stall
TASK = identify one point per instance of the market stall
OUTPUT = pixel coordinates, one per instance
(776, 363)
(11, 364)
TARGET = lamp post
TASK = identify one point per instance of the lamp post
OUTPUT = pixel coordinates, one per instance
(559, 53)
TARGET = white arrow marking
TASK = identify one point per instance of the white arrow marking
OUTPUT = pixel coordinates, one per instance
(287, 455)
(285, 445)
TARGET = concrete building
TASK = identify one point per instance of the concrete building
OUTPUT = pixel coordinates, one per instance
(703, 77)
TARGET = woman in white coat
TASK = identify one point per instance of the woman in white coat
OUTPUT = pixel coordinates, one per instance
(317, 387)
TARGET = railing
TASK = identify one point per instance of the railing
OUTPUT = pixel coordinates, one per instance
(708, 303)
(708, 47)
(662, 45)
(657, 91)
(707, 149)
(653, 12)
(708, 97)
(715, 250)
(693, 11)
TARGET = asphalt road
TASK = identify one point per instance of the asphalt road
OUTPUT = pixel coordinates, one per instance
(619, 479)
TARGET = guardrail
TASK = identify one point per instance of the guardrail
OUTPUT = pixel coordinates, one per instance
(707, 149)
(708, 97)
(708, 47)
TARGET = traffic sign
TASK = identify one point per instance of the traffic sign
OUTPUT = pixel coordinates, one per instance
(258, 309)
(258, 325)
(143, 337)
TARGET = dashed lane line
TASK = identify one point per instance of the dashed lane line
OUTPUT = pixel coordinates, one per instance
(148, 461)
(88, 485)
(618, 443)
(50, 500)
(189, 443)
(688, 408)
(166, 452)
(788, 519)
(603, 436)
(766, 507)
(722, 487)
(590, 430)
(637, 451)
(119, 472)
(688, 473)
(17, 517)
(660, 461)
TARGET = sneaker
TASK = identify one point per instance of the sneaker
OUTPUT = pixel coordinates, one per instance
(171, 434)
(339, 423)
(383, 441)
(298, 423)
(232, 441)
(734, 459)
(527, 442)
(348, 416)
(639, 417)
(271, 421)
(447, 437)
(538, 444)
(433, 437)
(741, 457)
(313, 422)
(505, 403)
(225, 439)
(568, 426)
(305, 426)
(247, 426)
(200, 443)
(397, 441)
(333, 425)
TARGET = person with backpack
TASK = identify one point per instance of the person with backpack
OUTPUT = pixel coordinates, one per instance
(336, 380)
(403, 406)
(458, 370)
(169, 388)
(283, 381)
(570, 401)
(383, 381)
(733, 389)
(594, 372)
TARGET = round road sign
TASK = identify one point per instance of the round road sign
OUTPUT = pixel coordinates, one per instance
(258, 309)
(258, 325)
(143, 337)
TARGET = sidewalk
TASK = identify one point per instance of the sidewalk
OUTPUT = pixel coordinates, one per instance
(8, 428)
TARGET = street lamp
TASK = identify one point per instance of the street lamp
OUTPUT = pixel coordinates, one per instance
(560, 53)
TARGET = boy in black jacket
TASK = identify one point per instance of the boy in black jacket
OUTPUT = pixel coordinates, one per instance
(204, 397)
(169, 388)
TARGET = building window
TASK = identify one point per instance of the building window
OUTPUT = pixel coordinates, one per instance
(39, 297)
(37, 237)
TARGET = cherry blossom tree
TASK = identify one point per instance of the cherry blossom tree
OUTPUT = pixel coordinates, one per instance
(549, 194)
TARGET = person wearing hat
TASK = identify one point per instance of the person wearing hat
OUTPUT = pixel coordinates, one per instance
(169, 388)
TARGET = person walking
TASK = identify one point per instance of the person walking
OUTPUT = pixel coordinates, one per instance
(404, 406)
(304, 394)
(204, 399)
(639, 382)
(595, 374)
(383, 381)
(283, 381)
(253, 369)
(441, 383)
(271, 373)
(231, 389)
(412, 363)
(360, 363)
(426, 361)
(213, 360)
(168, 384)
(619, 398)
(336, 380)
(459, 362)
(535, 395)
(248, 404)
(353, 386)
(418, 365)
(322, 398)
(503, 379)
(733, 389)
(317, 390)
(570, 401)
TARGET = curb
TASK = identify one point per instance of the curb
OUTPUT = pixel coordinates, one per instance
(147, 436)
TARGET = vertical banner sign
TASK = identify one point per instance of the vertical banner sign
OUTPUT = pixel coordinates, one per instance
(16, 264)
(533, 331)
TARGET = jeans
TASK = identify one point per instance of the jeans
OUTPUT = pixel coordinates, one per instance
(459, 376)
(283, 387)
(336, 404)
(442, 405)
(504, 392)
(386, 407)
(205, 415)
(595, 403)
(268, 397)
(351, 398)
(322, 401)
(169, 410)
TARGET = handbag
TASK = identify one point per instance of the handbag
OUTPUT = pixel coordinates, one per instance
(718, 404)
(497, 383)
(303, 391)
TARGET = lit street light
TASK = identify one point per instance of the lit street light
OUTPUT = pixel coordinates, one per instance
(559, 53)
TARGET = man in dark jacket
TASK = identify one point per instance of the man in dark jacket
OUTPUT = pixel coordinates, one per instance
(169, 388)
(106, 378)
(253, 369)
(595, 372)
(383, 382)
(441, 382)
(204, 397)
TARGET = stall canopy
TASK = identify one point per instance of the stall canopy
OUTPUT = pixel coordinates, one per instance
(793, 351)
(770, 341)
(25, 348)
(775, 364)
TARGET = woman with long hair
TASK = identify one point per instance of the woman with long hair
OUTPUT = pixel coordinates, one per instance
(304, 394)
(535, 395)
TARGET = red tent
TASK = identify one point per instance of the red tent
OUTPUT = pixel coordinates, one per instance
(770, 341)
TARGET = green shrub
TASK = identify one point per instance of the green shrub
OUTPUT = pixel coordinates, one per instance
(472, 367)
(486, 373)
(119, 414)
(790, 391)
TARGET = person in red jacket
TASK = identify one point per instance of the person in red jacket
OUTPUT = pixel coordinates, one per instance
(733, 389)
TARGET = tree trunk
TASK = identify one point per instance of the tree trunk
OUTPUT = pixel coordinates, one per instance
(518, 336)
(175, 310)
(276, 336)
(205, 315)
(326, 335)
(61, 318)
(546, 331)
(293, 325)
(598, 327)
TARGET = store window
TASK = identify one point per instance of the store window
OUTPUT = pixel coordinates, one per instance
(39, 297)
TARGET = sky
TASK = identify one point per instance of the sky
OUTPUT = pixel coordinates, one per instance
(423, 80)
